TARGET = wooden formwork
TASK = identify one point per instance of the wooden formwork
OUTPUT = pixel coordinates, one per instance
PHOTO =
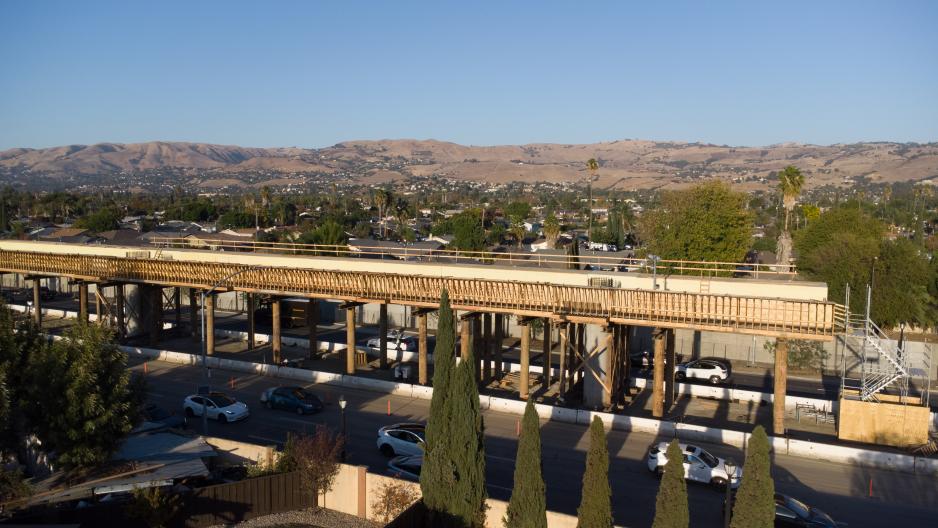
(803, 319)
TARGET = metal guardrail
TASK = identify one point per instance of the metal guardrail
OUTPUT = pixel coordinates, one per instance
(600, 262)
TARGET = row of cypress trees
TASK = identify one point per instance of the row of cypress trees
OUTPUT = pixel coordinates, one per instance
(452, 479)
(755, 499)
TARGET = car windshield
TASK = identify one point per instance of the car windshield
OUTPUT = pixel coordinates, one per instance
(221, 400)
(708, 459)
(800, 509)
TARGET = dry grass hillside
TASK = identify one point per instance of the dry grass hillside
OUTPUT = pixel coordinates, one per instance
(625, 163)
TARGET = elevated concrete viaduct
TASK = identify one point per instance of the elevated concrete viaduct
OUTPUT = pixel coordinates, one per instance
(591, 322)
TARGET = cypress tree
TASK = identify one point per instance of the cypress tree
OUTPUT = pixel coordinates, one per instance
(755, 499)
(595, 509)
(467, 441)
(671, 505)
(528, 505)
(436, 476)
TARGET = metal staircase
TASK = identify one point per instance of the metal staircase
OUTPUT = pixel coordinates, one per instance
(883, 363)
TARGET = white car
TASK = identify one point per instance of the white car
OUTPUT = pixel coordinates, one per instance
(704, 369)
(396, 341)
(699, 465)
(406, 467)
(217, 406)
(402, 439)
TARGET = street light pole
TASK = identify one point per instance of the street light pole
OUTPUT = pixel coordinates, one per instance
(730, 466)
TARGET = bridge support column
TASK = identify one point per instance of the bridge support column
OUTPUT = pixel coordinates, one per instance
(660, 342)
(422, 348)
(669, 367)
(781, 385)
(478, 346)
(154, 317)
(177, 306)
(580, 353)
(312, 326)
(626, 361)
(564, 332)
(486, 348)
(608, 359)
(121, 322)
(99, 314)
(547, 361)
(383, 336)
(499, 338)
(275, 339)
(252, 326)
(193, 315)
(524, 383)
(209, 324)
(83, 302)
(350, 340)
(37, 303)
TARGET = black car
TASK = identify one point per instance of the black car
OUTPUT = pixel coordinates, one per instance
(295, 399)
(791, 512)
(46, 294)
(156, 414)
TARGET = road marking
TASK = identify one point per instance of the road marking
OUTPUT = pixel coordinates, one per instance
(504, 459)
(503, 488)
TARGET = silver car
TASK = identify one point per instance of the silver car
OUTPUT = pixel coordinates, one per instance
(216, 405)
(402, 439)
(406, 467)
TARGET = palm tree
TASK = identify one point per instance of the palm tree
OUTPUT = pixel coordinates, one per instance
(592, 165)
(790, 182)
(517, 231)
(382, 200)
(551, 230)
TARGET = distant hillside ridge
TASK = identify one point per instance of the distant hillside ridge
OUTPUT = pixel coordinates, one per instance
(623, 164)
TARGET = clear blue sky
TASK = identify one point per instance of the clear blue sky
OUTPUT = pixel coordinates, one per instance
(311, 73)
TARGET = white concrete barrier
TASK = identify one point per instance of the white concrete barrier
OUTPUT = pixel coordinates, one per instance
(507, 406)
(926, 466)
(852, 455)
(296, 374)
(422, 392)
(556, 414)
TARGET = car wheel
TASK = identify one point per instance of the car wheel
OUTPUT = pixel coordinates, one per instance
(189, 412)
(715, 380)
(680, 376)
(222, 418)
(387, 450)
(719, 482)
(299, 410)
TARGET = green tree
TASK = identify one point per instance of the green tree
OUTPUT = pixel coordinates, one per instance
(518, 211)
(790, 182)
(592, 166)
(19, 341)
(83, 405)
(839, 248)
(453, 476)
(437, 472)
(101, 220)
(708, 222)
(551, 230)
(528, 505)
(468, 234)
(595, 509)
(671, 509)
(900, 292)
(382, 200)
(755, 499)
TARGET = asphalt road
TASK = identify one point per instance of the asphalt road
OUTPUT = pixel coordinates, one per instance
(841, 490)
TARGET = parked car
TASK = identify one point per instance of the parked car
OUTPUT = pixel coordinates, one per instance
(294, 399)
(792, 512)
(46, 294)
(396, 341)
(156, 414)
(402, 439)
(699, 465)
(407, 467)
(217, 406)
(711, 370)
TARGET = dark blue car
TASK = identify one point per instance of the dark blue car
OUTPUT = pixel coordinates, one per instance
(294, 399)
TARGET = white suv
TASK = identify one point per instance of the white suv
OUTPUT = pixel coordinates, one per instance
(705, 369)
(699, 465)
(402, 439)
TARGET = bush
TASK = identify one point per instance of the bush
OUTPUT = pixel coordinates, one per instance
(392, 499)
(154, 506)
(802, 354)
